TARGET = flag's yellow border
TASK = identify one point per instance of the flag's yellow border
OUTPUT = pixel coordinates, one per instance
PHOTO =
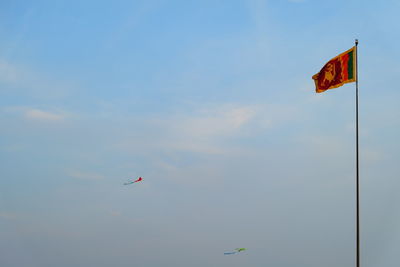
(354, 48)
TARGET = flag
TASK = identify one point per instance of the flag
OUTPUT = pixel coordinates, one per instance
(338, 71)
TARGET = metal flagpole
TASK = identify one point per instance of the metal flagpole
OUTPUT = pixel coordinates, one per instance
(357, 171)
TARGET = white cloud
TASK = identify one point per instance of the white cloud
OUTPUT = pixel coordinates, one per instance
(32, 82)
(209, 130)
(36, 114)
(203, 131)
(8, 72)
(217, 122)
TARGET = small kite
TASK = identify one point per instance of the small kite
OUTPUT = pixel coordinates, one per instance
(131, 182)
(237, 250)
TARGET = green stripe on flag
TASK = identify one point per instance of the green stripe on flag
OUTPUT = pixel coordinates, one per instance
(350, 66)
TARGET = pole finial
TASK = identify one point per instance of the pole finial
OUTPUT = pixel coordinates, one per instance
(356, 42)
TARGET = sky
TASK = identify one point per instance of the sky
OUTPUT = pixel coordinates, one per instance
(213, 104)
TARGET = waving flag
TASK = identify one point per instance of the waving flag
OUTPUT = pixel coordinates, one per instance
(338, 71)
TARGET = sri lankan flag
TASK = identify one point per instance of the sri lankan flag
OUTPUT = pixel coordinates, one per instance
(338, 71)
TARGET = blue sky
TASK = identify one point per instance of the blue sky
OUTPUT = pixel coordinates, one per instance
(213, 104)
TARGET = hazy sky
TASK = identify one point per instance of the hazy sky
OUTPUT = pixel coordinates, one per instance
(213, 104)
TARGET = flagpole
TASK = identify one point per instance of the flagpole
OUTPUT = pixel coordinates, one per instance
(357, 171)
